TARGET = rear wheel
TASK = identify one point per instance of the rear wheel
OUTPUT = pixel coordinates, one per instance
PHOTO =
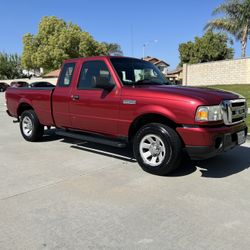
(157, 148)
(30, 126)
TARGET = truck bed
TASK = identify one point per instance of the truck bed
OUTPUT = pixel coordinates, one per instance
(38, 98)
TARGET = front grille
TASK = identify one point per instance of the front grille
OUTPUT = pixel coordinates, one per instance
(234, 111)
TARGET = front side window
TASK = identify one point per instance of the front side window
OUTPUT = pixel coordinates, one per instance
(94, 74)
(133, 72)
(66, 75)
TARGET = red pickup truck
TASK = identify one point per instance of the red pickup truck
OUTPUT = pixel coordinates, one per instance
(122, 101)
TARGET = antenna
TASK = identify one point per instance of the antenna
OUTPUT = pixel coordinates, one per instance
(132, 39)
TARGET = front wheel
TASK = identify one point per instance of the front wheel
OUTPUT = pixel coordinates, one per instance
(30, 126)
(157, 148)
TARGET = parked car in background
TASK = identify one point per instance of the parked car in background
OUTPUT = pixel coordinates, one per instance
(41, 84)
(3, 86)
(19, 84)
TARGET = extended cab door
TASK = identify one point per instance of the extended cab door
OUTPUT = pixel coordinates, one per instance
(91, 107)
(62, 95)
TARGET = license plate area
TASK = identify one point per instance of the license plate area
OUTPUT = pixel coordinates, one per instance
(241, 137)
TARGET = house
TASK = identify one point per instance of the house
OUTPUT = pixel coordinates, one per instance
(52, 74)
(175, 76)
(163, 66)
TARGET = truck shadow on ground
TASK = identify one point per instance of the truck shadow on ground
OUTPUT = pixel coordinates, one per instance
(124, 154)
(50, 135)
(230, 163)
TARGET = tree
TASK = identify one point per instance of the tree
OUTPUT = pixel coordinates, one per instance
(10, 66)
(236, 21)
(210, 47)
(56, 41)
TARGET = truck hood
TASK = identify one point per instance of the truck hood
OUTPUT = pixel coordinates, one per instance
(205, 95)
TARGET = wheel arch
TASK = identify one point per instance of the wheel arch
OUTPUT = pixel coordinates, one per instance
(149, 118)
(22, 107)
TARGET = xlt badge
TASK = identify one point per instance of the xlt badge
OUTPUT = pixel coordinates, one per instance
(129, 102)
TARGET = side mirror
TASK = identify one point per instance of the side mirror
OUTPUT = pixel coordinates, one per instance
(104, 83)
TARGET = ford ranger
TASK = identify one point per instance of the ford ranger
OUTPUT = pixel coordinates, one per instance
(121, 101)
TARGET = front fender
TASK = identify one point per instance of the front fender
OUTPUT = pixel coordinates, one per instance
(158, 110)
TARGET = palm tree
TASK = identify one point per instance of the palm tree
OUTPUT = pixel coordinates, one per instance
(113, 49)
(236, 21)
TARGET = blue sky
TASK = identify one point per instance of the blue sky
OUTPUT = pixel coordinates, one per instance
(169, 22)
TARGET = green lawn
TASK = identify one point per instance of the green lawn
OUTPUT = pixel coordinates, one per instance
(238, 88)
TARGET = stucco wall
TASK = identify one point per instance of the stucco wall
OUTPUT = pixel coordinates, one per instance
(221, 72)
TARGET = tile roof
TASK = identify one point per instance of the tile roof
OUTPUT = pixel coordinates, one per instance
(154, 60)
(54, 73)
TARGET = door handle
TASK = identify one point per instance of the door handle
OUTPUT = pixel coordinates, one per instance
(75, 97)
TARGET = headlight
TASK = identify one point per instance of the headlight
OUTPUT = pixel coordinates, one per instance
(209, 113)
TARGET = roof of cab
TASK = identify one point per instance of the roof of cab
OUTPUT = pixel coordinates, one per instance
(95, 58)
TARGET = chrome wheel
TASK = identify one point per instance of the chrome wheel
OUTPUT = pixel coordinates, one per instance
(152, 150)
(27, 126)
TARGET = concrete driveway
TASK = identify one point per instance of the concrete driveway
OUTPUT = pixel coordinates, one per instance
(62, 194)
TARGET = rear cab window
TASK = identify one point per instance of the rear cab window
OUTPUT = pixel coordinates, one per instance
(66, 75)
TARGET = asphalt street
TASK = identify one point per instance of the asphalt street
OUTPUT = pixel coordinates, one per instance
(66, 194)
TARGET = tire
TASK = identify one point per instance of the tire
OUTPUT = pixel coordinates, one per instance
(157, 148)
(30, 126)
(1, 90)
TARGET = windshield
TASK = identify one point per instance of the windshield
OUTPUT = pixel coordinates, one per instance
(134, 72)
